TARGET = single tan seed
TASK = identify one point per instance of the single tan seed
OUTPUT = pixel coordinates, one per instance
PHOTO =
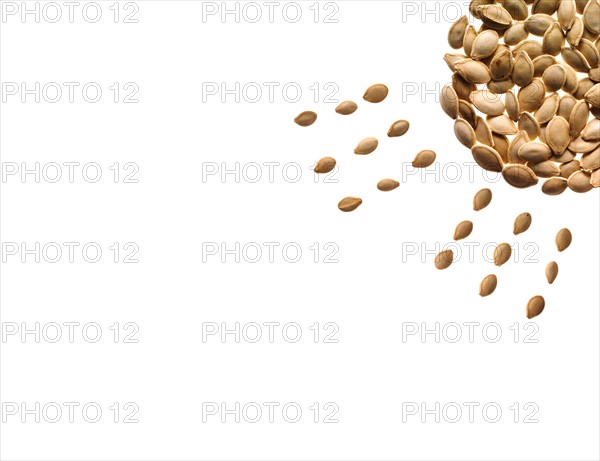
(595, 74)
(502, 254)
(532, 96)
(501, 87)
(512, 106)
(488, 285)
(522, 73)
(530, 125)
(578, 118)
(591, 132)
(532, 47)
(487, 158)
(366, 146)
(501, 65)
(551, 272)
(554, 40)
(502, 124)
(482, 199)
(554, 77)
(500, 143)
(535, 152)
(580, 182)
(456, 34)
(444, 259)
(462, 87)
(519, 176)
(387, 185)
(515, 34)
(475, 4)
(522, 223)
(538, 24)
(464, 133)
(467, 112)
(376, 93)
(547, 169)
(567, 10)
(470, 36)
(591, 17)
(558, 135)
(589, 52)
(495, 16)
(487, 102)
(554, 186)
(591, 162)
(575, 33)
(541, 63)
(595, 179)
(563, 239)
(463, 230)
(567, 169)
(306, 118)
(485, 44)
(579, 146)
(575, 59)
(581, 4)
(584, 85)
(565, 107)
(483, 133)
(515, 144)
(346, 108)
(449, 101)
(473, 71)
(424, 159)
(572, 82)
(535, 306)
(452, 58)
(349, 204)
(400, 127)
(548, 109)
(593, 96)
(325, 165)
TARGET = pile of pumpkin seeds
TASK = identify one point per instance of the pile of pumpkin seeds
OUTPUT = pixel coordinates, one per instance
(532, 69)
(374, 94)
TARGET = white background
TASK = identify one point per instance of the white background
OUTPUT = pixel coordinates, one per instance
(373, 289)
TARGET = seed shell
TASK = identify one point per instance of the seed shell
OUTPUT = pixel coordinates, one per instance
(563, 239)
(551, 272)
(488, 285)
(535, 306)
(387, 185)
(376, 93)
(349, 204)
(424, 159)
(444, 259)
(400, 127)
(463, 230)
(366, 146)
(325, 165)
(346, 108)
(306, 118)
(482, 199)
(522, 223)
(502, 254)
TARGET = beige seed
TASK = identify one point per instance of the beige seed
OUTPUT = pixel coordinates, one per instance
(456, 34)
(580, 182)
(535, 152)
(575, 33)
(512, 106)
(502, 254)
(554, 40)
(589, 52)
(563, 239)
(501, 65)
(482, 199)
(376, 93)
(578, 118)
(567, 10)
(515, 34)
(584, 85)
(554, 77)
(306, 118)
(532, 96)
(581, 4)
(554, 186)
(595, 179)
(522, 223)
(547, 169)
(463, 230)
(535, 306)
(593, 96)
(558, 135)
(595, 74)
(567, 169)
(591, 16)
(464, 133)
(495, 16)
(475, 4)
(501, 87)
(488, 285)
(575, 59)
(591, 132)
(483, 133)
(387, 185)
(530, 125)
(572, 82)
(532, 47)
(473, 71)
(548, 109)
(487, 102)
(591, 161)
(485, 44)
(565, 107)
(551, 272)
(519, 176)
(451, 59)
(541, 63)
(545, 7)
(449, 101)
(470, 36)
(366, 146)
(400, 127)
(517, 8)
(467, 112)
(500, 143)
(502, 124)
(424, 159)
(579, 146)
(538, 24)
(487, 158)
(522, 73)
(325, 165)
(444, 259)
(515, 144)
(462, 87)
(346, 108)
(349, 204)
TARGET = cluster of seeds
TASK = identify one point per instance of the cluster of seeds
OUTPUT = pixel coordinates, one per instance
(503, 252)
(374, 94)
(542, 119)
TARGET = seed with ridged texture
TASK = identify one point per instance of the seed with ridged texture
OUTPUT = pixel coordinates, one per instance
(424, 159)
(346, 108)
(519, 176)
(495, 16)
(482, 199)
(580, 182)
(366, 146)
(488, 285)
(456, 34)
(522, 223)
(535, 306)
(554, 186)
(463, 230)
(551, 272)
(563, 239)
(399, 128)
(387, 185)
(444, 259)
(325, 165)
(376, 93)
(349, 204)
(502, 254)
(306, 118)
(487, 158)
(449, 101)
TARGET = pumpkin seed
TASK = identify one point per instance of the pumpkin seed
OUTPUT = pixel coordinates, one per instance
(515, 34)
(376, 93)
(487, 102)
(567, 10)
(502, 124)
(470, 36)
(532, 96)
(501, 87)
(554, 40)
(483, 133)
(449, 101)
(512, 106)
(595, 179)
(591, 132)
(565, 107)
(530, 125)
(502, 254)
(554, 77)
(541, 63)
(578, 118)
(594, 74)
(551, 272)
(591, 162)
(572, 81)
(464, 133)
(495, 16)
(325, 165)
(591, 16)
(456, 34)
(522, 73)
(535, 306)
(467, 112)
(500, 143)
(501, 65)
(366, 146)
(554, 186)
(575, 33)
(522, 223)
(567, 169)
(487, 158)
(545, 7)
(306, 118)
(548, 109)
(424, 159)
(349, 204)
(558, 135)
(451, 59)
(346, 108)
(585, 84)
(538, 24)
(462, 87)
(516, 143)
(482, 199)
(488, 285)
(593, 96)
(580, 182)
(485, 44)
(575, 59)
(589, 52)
(473, 71)
(463, 230)
(581, 4)
(387, 185)
(563, 239)
(545, 169)
(579, 146)
(444, 259)
(517, 8)
(519, 176)
(474, 5)
(400, 127)
(535, 152)
(532, 47)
